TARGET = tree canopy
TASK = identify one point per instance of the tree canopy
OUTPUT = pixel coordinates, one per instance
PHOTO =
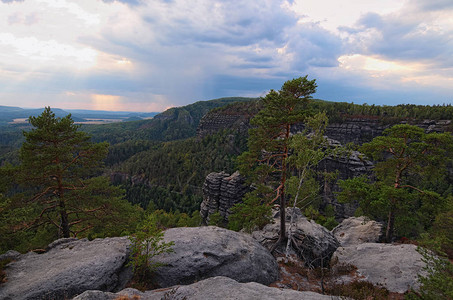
(406, 159)
(265, 163)
(57, 177)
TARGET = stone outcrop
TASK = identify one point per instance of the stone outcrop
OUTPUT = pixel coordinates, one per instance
(10, 254)
(221, 191)
(354, 231)
(213, 288)
(68, 268)
(313, 243)
(203, 252)
(394, 267)
(357, 130)
(214, 122)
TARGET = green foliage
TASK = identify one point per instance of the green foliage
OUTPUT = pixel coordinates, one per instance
(169, 175)
(165, 219)
(338, 112)
(58, 194)
(146, 243)
(252, 213)
(216, 219)
(440, 236)
(265, 163)
(407, 159)
(307, 149)
(438, 283)
(173, 124)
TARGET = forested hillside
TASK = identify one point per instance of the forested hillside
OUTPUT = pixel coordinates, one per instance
(145, 158)
(173, 124)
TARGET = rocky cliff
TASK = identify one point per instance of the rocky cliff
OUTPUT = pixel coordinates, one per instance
(357, 130)
(220, 192)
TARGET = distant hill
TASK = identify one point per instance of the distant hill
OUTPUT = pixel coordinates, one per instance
(173, 124)
(11, 114)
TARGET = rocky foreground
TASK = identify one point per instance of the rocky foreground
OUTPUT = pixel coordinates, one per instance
(208, 263)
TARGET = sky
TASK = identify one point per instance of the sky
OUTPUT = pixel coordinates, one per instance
(149, 55)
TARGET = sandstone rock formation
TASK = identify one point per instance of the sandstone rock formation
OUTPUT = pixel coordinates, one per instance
(354, 231)
(311, 242)
(203, 252)
(68, 268)
(220, 192)
(395, 267)
(213, 122)
(356, 130)
(213, 288)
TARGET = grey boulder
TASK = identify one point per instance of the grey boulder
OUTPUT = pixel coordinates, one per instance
(353, 231)
(311, 242)
(68, 268)
(202, 252)
(395, 267)
(212, 288)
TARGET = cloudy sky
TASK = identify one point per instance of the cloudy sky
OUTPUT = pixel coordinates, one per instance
(148, 55)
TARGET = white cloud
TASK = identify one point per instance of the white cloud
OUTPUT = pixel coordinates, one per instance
(159, 53)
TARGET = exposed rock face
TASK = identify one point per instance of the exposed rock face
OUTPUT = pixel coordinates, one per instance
(354, 231)
(395, 267)
(203, 252)
(356, 130)
(221, 191)
(213, 288)
(348, 164)
(311, 242)
(10, 254)
(68, 268)
(213, 122)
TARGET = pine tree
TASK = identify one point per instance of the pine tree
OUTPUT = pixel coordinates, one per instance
(266, 161)
(58, 163)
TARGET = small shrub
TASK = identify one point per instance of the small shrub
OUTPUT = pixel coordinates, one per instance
(359, 290)
(216, 219)
(147, 243)
(438, 284)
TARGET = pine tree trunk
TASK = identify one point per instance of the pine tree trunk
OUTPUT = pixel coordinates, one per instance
(390, 225)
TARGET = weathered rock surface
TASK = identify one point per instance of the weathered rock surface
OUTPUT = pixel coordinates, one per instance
(311, 242)
(221, 191)
(395, 267)
(67, 269)
(356, 130)
(203, 252)
(213, 288)
(213, 122)
(353, 231)
(10, 254)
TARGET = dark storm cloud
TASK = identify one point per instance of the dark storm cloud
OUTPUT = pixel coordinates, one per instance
(314, 46)
(221, 22)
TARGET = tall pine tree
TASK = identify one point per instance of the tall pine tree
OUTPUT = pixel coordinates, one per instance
(58, 163)
(266, 161)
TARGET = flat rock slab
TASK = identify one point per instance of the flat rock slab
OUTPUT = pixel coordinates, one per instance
(395, 267)
(203, 252)
(353, 231)
(68, 268)
(213, 288)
